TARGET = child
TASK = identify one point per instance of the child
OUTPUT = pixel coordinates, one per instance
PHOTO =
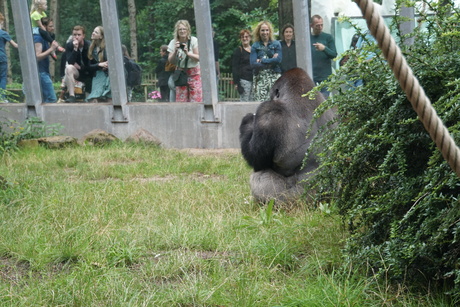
(4, 38)
(37, 12)
(163, 74)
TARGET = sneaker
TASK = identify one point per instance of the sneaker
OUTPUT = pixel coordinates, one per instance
(54, 56)
(71, 99)
(61, 49)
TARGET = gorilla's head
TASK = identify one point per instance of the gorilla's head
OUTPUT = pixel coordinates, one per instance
(293, 83)
(290, 87)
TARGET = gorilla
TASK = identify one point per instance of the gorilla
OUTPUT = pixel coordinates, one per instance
(274, 140)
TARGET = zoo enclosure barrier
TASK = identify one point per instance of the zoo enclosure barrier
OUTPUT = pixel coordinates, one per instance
(149, 83)
(226, 88)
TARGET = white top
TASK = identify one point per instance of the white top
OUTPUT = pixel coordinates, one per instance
(181, 54)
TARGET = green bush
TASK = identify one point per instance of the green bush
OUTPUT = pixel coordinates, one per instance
(12, 132)
(379, 166)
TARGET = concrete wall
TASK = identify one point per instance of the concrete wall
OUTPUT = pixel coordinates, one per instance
(177, 125)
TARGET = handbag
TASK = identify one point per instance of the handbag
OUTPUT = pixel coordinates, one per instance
(180, 76)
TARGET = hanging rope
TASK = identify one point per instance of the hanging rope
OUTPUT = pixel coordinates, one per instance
(415, 93)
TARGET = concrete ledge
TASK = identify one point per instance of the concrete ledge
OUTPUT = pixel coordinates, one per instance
(177, 125)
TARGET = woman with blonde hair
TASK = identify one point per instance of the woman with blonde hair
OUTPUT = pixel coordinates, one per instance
(266, 56)
(183, 52)
(100, 89)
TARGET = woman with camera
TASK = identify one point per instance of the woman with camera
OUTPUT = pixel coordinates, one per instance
(183, 52)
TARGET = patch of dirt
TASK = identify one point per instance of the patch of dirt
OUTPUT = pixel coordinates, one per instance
(155, 179)
(12, 271)
(211, 152)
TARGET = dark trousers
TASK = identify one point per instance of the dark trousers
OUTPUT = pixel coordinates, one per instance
(164, 91)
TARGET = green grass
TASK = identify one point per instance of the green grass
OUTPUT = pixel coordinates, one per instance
(132, 225)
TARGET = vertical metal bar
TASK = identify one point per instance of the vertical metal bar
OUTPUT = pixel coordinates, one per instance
(407, 27)
(302, 35)
(207, 61)
(115, 58)
(29, 68)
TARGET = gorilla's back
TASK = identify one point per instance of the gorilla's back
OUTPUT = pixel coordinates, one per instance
(274, 141)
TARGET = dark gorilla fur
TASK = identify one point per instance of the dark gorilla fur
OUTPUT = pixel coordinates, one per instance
(274, 140)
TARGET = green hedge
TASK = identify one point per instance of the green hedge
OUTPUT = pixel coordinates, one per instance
(380, 168)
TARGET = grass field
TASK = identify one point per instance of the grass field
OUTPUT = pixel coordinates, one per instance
(132, 225)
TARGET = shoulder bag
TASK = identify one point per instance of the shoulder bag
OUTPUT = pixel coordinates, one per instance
(180, 76)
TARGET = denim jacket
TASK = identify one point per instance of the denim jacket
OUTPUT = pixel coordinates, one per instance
(265, 53)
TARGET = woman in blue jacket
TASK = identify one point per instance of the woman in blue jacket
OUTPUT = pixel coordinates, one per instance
(265, 60)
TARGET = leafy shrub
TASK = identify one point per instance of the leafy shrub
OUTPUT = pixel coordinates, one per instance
(34, 128)
(11, 132)
(383, 172)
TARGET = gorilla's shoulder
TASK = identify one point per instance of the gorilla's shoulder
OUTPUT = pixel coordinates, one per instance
(271, 109)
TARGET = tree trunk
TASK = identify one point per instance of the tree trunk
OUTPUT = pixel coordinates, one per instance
(132, 28)
(54, 7)
(285, 13)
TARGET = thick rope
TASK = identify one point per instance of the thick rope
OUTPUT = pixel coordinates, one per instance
(409, 83)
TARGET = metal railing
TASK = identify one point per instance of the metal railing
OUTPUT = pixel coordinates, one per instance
(227, 90)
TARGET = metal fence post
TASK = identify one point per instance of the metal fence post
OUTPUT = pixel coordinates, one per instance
(27, 58)
(207, 61)
(302, 35)
(115, 58)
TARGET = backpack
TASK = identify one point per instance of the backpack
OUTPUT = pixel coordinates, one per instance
(133, 73)
(169, 66)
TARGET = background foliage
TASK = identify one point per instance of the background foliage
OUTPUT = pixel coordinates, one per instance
(392, 186)
(155, 24)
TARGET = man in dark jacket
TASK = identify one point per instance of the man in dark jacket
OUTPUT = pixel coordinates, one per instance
(77, 68)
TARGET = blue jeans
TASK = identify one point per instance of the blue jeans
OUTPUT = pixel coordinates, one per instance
(172, 89)
(46, 84)
(3, 73)
(324, 90)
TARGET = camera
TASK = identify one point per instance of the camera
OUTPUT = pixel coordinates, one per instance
(182, 46)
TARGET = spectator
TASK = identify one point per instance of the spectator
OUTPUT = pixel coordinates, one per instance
(181, 54)
(77, 68)
(266, 56)
(363, 45)
(37, 12)
(216, 55)
(288, 48)
(241, 67)
(170, 67)
(42, 52)
(323, 51)
(353, 42)
(4, 38)
(62, 73)
(126, 58)
(97, 55)
(171, 85)
(162, 74)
